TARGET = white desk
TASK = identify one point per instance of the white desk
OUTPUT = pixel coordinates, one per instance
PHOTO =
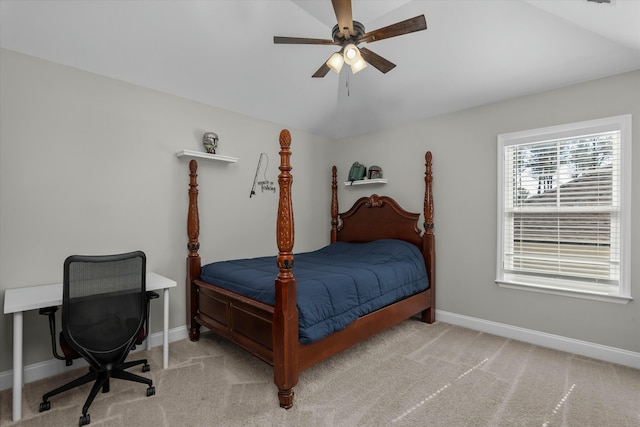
(19, 300)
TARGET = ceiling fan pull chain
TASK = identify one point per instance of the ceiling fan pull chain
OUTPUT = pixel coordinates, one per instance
(347, 85)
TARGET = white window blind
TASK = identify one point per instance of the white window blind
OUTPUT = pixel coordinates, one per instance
(561, 210)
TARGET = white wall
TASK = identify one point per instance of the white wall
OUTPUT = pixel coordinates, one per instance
(88, 166)
(465, 180)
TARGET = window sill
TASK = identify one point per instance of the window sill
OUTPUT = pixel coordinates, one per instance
(598, 296)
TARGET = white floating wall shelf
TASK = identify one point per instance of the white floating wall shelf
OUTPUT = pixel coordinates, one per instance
(201, 155)
(366, 181)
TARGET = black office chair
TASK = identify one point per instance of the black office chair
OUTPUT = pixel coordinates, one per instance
(105, 308)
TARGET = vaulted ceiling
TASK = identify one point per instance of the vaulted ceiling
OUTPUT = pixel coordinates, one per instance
(221, 52)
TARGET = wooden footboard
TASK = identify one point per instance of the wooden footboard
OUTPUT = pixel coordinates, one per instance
(271, 333)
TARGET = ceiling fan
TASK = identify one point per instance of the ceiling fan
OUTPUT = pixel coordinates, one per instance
(348, 34)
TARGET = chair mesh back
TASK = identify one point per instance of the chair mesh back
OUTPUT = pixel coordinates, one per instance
(104, 302)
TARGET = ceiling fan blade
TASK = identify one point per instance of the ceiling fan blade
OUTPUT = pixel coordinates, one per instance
(322, 71)
(342, 8)
(410, 25)
(300, 40)
(376, 60)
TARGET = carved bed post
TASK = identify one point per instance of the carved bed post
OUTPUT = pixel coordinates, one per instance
(334, 204)
(285, 316)
(193, 259)
(428, 239)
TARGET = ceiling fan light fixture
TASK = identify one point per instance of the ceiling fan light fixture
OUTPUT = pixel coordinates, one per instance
(348, 34)
(335, 62)
(358, 66)
(351, 54)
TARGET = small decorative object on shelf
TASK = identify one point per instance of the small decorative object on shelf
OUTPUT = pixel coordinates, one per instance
(357, 172)
(375, 172)
(210, 142)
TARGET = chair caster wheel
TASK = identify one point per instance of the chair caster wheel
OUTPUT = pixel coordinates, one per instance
(45, 406)
(84, 420)
(146, 367)
(151, 390)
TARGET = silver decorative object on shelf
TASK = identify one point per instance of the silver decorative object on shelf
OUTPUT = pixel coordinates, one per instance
(210, 142)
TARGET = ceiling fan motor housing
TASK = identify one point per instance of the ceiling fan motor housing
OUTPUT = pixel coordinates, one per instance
(358, 28)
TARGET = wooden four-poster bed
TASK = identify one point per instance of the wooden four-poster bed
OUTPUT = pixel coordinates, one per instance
(273, 330)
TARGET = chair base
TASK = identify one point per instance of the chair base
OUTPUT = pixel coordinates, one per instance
(101, 379)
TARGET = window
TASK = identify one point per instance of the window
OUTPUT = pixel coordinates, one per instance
(564, 209)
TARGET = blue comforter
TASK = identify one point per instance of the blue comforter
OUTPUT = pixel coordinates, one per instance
(335, 284)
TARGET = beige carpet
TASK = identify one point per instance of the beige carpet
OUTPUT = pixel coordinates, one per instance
(412, 375)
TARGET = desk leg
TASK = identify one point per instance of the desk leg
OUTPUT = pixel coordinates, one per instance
(165, 330)
(17, 365)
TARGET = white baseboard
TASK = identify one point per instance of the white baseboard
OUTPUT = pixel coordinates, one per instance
(583, 348)
(40, 370)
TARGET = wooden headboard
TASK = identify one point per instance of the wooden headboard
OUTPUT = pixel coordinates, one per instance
(380, 217)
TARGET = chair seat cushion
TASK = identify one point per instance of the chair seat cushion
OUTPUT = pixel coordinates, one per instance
(71, 354)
